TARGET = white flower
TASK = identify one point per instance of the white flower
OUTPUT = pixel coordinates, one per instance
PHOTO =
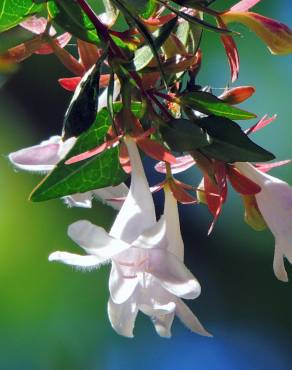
(44, 157)
(147, 271)
(275, 204)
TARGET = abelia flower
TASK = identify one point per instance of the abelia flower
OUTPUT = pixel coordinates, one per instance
(147, 272)
(44, 157)
(276, 35)
(274, 201)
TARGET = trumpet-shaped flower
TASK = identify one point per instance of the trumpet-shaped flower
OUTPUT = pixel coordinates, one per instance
(276, 35)
(147, 272)
(275, 204)
(43, 158)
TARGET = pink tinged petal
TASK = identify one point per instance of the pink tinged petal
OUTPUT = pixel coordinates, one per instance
(95, 240)
(266, 167)
(122, 317)
(76, 260)
(244, 5)
(173, 275)
(279, 265)
(277, 36)
(112, 192)
(137, 213)
(35, 25)
(189, 319)
(121, 287)
(39, 158)
(155, 237)
(162, 324)
(82, 200)
(182, 164)
(173, 233)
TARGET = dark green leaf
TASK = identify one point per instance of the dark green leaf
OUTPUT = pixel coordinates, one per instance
(230, 143)
(96, 172)
(209, 104)
(182, 135)
(12, 12)
(193, 19)
(83, 107)
(68, 15)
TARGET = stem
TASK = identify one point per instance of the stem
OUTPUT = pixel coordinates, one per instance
(100, 27)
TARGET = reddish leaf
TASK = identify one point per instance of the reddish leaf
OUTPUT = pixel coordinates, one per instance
(88, 53)
(237, 94)
(232, 56)
(180, 194)
(70, 83)
(155, 150)
(61, 40)
(242, 184)
(90, 153)
(261, 124)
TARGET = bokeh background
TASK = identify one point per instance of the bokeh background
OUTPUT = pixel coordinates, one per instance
(54, 318)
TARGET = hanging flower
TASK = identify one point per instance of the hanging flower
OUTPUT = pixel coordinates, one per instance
(276, 35)
(147, 272)
(44, 157)
(275, 204)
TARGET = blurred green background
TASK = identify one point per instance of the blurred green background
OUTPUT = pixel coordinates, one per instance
(54, 318)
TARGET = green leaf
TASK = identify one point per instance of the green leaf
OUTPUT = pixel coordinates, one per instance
(83, 107)
(143, 30)
(144, 54)
(182, 135)
(68, 15)
(12, 12)
(97, 172)
(193, 19)
(209, 104)
(230, 143)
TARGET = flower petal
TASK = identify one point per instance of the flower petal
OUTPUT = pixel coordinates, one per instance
(162, 324)
(121, 287)
(279, 265)
(95, 240)
(122, 317)
(39, 158)
(76, 260)
(83, 200)
(174, 238)
(105, 194)
(244, 5)
(137, 213)
(155, 237)
(189, 319)
(173, 275)
(182, 164)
